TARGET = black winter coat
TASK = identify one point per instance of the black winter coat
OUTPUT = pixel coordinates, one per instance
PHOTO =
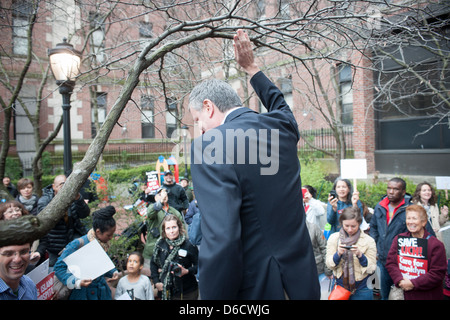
(186, 283)
(67, 229)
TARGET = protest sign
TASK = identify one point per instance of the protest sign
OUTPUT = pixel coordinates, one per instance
(353, 169)
(43, 280)
(443, 183)
(45, 287)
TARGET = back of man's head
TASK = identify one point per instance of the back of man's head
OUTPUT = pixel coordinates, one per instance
(218, 91)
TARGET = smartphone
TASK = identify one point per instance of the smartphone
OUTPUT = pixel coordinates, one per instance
(333, 194)
(346, 247)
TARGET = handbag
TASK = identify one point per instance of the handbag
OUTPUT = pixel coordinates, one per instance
(396, 293)
(339, 293)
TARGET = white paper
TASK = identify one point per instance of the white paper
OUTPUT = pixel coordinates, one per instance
(354, 168)
(125, 296)
(40, 272)
(89, 262)
(443, 183)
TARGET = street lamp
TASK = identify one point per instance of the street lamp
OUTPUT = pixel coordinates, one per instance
(184, 132)
(65, 64)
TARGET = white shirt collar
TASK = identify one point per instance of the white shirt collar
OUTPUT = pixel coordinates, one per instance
(228, 112)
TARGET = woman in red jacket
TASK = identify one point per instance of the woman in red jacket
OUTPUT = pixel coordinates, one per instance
(416, 260)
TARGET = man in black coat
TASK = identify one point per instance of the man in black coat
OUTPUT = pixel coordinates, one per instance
(246, 177)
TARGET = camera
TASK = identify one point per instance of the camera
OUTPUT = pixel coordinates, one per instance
(175, 268)
(333, 194)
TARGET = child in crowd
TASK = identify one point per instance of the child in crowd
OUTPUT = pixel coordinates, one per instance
(136, 285)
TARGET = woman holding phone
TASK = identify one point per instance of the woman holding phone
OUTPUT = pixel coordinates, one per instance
(341, 197)
(351, 255)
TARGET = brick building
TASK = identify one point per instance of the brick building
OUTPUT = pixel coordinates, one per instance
(385, 139)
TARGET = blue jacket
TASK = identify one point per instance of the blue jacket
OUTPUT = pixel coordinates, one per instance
(97, 290)
(384, 234)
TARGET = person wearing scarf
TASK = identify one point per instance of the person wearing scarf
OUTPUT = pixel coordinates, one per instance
(352, 267)
(174, 250)
(103, 228)
(26, 197)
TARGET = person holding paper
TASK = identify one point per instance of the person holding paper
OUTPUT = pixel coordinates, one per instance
(103, 228)
(342, 198)
(426, 197)
(417, 267)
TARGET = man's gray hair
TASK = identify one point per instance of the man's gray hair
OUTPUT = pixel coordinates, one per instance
(218, 91)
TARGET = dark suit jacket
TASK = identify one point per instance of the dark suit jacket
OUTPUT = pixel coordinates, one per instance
(255, 242)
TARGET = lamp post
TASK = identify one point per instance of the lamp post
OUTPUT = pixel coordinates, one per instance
(65, 64)
(184, 132)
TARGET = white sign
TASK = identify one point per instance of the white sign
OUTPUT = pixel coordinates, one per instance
(40, 272)
(354, 168)
(89, 262)
(443, 183)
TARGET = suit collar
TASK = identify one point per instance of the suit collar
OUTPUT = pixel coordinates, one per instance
(236, 113)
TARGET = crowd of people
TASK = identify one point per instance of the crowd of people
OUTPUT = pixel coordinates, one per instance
(349, 256)
(365, 240)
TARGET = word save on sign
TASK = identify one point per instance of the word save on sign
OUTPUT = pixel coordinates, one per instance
(412, 256)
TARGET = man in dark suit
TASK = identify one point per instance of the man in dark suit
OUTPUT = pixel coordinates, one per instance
(246, 177)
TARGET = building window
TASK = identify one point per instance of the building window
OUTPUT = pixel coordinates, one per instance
(285, 86)
(101, 112)
(261, 8)
(21, 11)
(98, 36)
(284, 11)
(346, 94)
(147, 121)
(409, 113)
(145, 33)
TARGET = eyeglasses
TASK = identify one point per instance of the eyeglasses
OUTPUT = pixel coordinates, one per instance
(13, 209)
(11, 253)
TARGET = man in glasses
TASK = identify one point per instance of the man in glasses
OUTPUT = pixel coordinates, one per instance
(14, 284)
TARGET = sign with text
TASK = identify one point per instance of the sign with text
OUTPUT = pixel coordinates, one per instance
(412, 256)
(45, 287)
(152, 180)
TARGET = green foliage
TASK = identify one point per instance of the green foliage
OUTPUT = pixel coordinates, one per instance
(13, 168)
(128, 174)
(313, 174)
(46, 164)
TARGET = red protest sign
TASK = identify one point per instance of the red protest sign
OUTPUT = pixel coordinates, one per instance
(45, 287)
(412, 256)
